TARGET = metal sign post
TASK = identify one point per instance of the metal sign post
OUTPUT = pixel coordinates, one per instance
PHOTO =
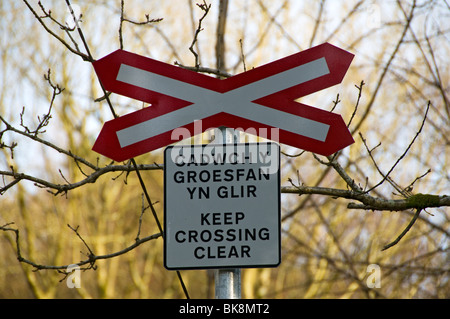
(228, 281)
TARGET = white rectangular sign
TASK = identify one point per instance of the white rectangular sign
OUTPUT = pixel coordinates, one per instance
(222, 206)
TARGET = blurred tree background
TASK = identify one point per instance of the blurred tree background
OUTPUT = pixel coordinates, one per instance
(69, 204)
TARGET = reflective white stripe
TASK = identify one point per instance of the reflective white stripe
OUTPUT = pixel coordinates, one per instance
(237, 102)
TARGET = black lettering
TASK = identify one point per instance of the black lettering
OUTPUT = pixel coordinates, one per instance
(250, 234)
(263, 156)
(231, 236)
(191, 191)
(251, 189)
(204, 219)
(235, 158)
(227, 218)
(192, 161)
(236, 191)
(222, 192)
(210, 256)
(233, 252)
(245, 250)
(205, 162)
(228, 175)
(218, 235)
(239, 216)
(262, 174)
(239, 173)
(212, 252)
(204, 176)
(236, 195)
(219, 158)
(205, 236)
(197, 255)
(216, 175)
(216, 218)
(191, 177)
(180, 240)
(221, 252)
(193, 236)
(251, 175)
(178, 177)
(263, 234)
(203, 192)
(179, 163)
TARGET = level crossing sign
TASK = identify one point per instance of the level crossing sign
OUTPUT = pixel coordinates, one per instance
(222, 202)
(261, 98)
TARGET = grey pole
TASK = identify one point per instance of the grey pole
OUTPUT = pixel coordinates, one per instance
(228, 281)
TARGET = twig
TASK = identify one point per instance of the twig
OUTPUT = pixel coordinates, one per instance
(140, 218)
(66, 28)
(91, 253)
(64, 188)
(205, 8)
(91, 259)
(332, 161)
(62, 175)
(341, 24)
(144, 188)
(53, 34)
(80, 33)
(385, 176)
(123, 19)
(121, 24)
(409, 188)
(242, 55)
(317, 23)
(295, 155)
(360, 87)
(201, 69)
(386, 68)
(368, 202)
(370, 152)
(335, 103)
(404, 232)
(34, 137)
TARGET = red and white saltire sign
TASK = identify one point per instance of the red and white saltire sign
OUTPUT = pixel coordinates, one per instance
(262, 98)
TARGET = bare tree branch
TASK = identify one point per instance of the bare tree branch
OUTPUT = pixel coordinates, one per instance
(92, 258)
(386, 68)
(57, 189)
(141, 23)
(53, 34)
(386, 176)
(205, 8)
(417, 201)
(202, 69)
(403, 233)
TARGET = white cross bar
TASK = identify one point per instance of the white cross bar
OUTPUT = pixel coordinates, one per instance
(237, 102)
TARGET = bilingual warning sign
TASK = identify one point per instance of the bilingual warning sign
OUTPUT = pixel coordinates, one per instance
(222, 206)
